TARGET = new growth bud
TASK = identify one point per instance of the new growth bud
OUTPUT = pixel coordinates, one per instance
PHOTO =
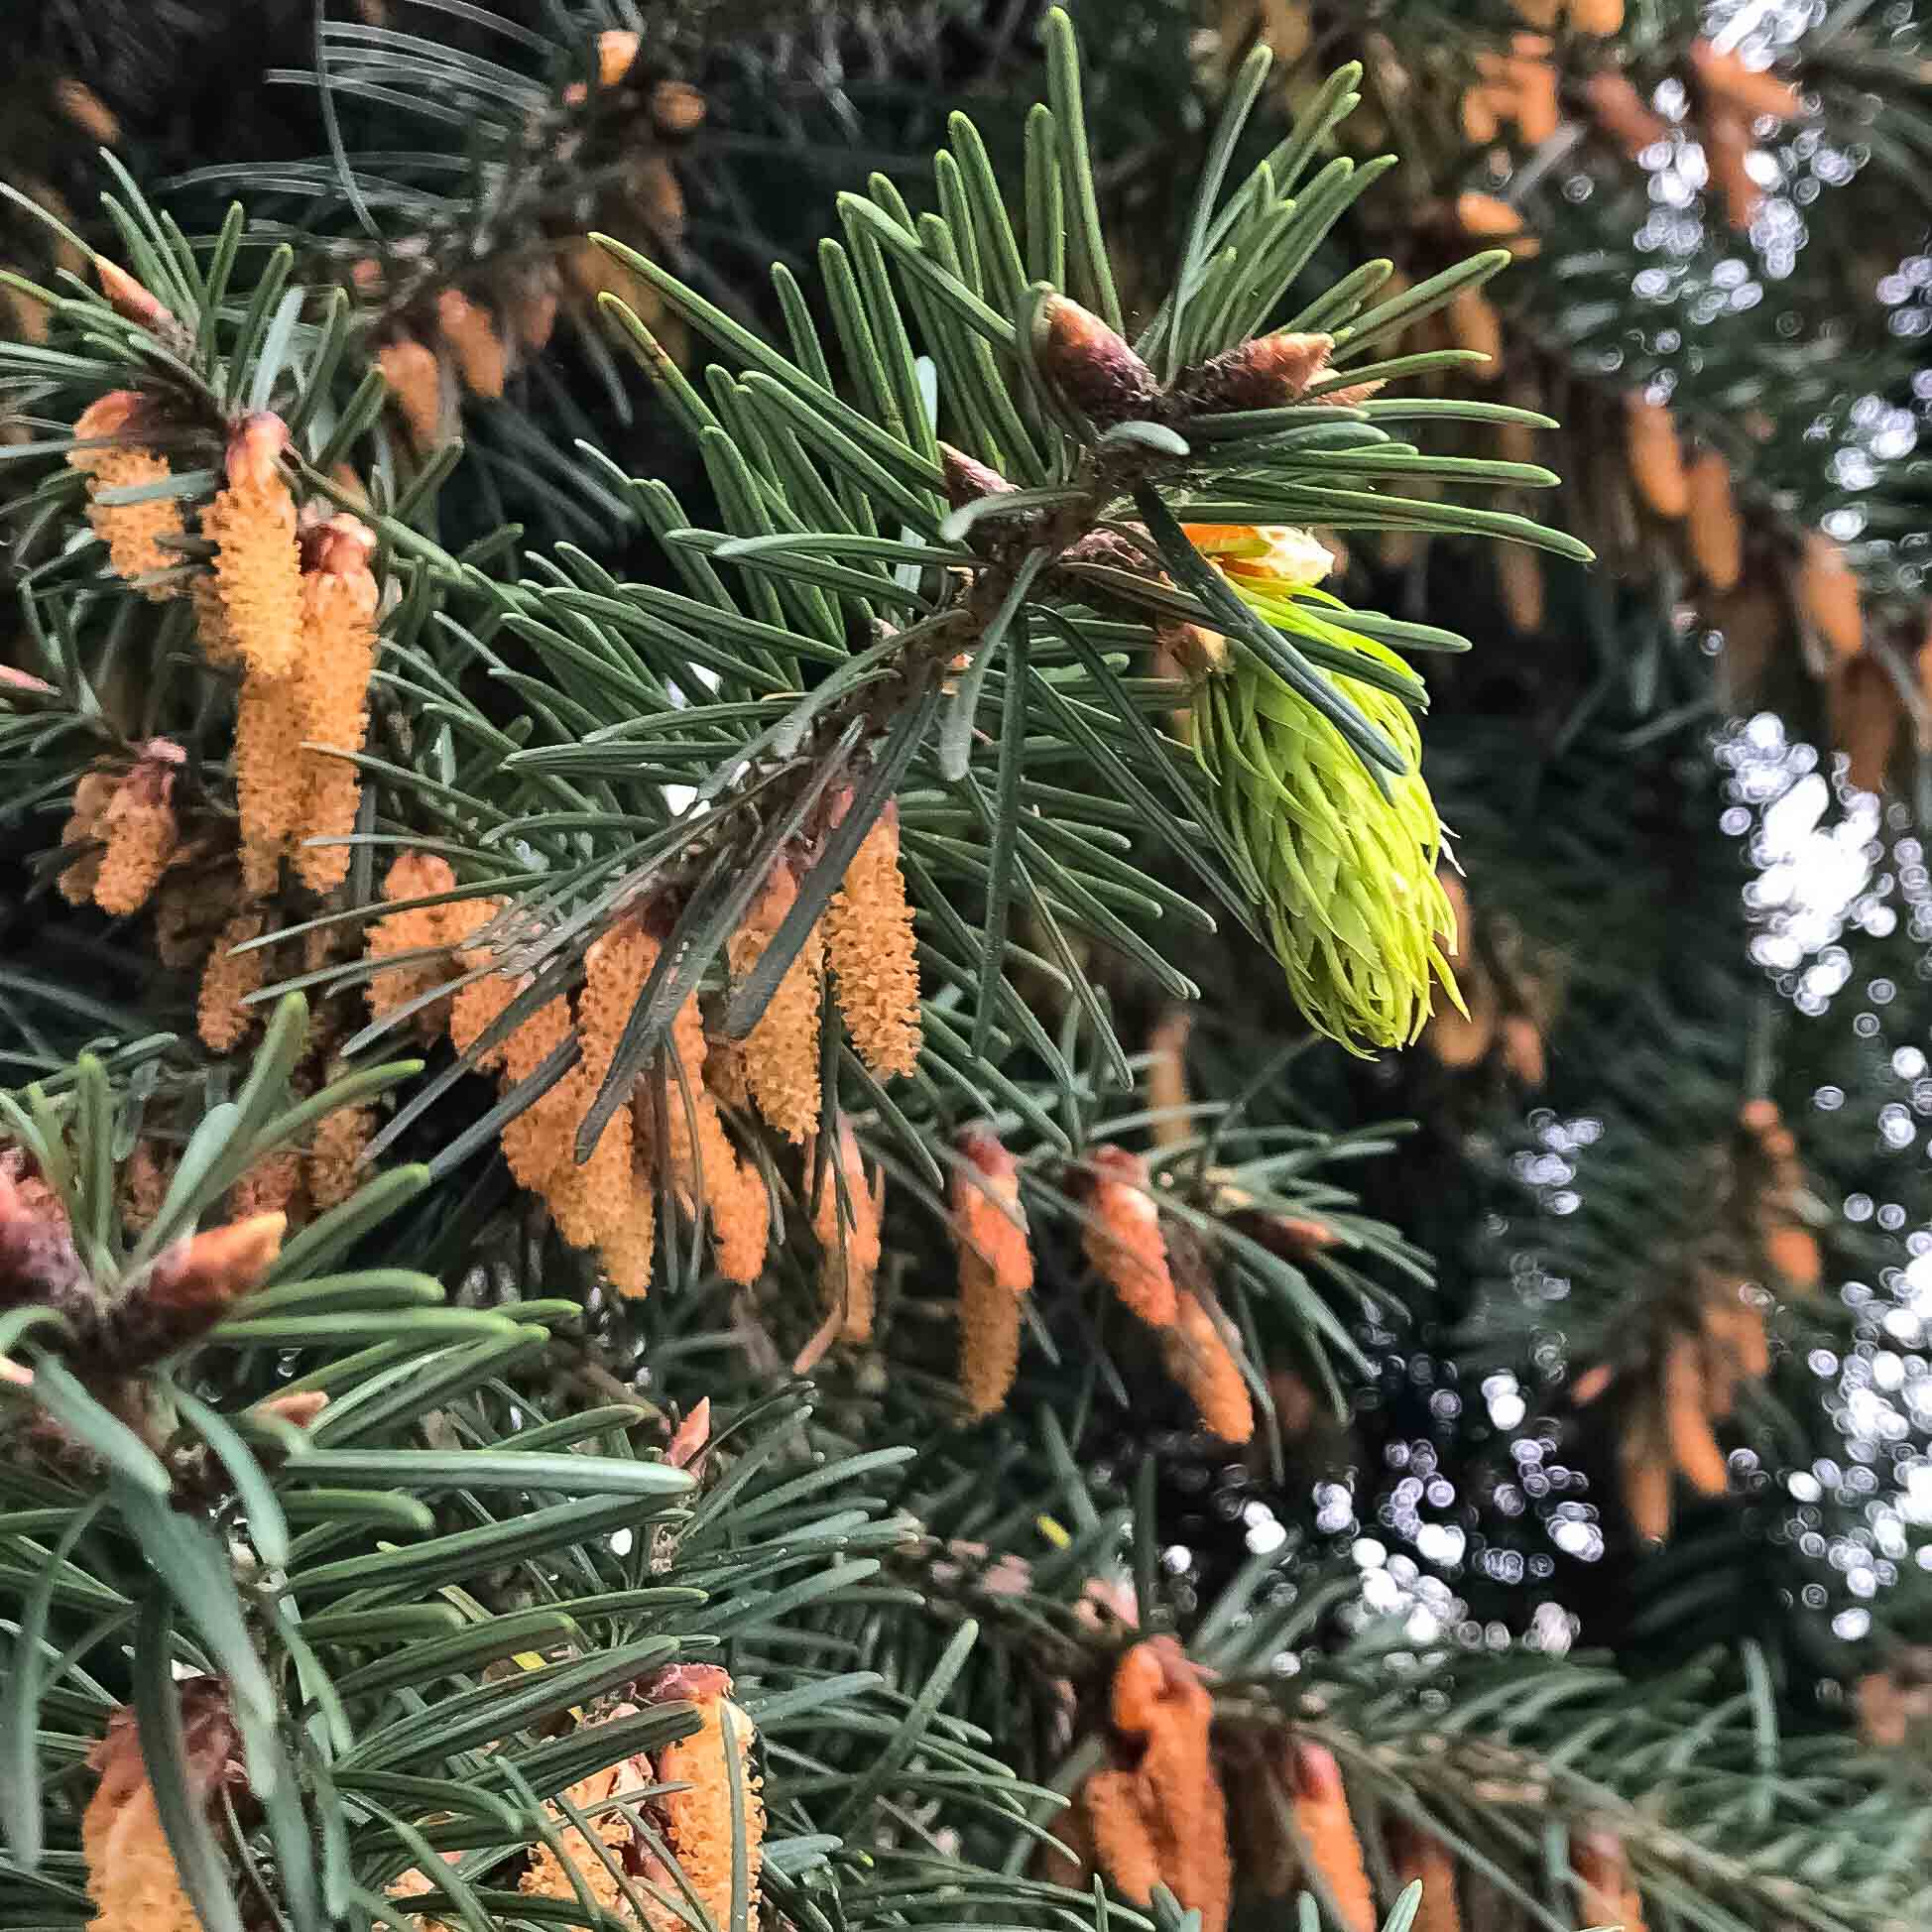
(255, 448)
(1091, 366)
(968, 479)
(131, 302)
(1265, 374)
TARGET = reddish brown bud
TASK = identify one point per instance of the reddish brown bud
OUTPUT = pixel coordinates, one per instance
(131, 302)
(617, 49)
(191, 1286)
(110, 415)
(689, 1439)
(1265, 374)
(254, 449)
(347, 546)
(676, 107)
(968, 479)
(1091, 366)
(297, 1406)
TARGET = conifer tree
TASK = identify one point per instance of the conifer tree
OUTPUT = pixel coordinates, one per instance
(761, 1162)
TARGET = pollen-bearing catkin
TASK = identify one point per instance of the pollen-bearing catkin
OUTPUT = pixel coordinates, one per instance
(849, 1247)
(990, 1320)
(1327, 1827)
(781, 1053)
(626, 1248)
(414, 379)
(338, 656)
(716, 1763)
(258, 565)
(139, 828)
(874, 954)
(132, 532)
(210, 621)
(591, 1200)
(335, 1170)
(1160, 1700)
(474, 1008)
(144, 1186)
(741, 1217)
(1119, 1815)
(996, 1270)
(132, 1877)
(1687, 1419)
(226, 981)
(550, 1877)
(987, 1219)
(414, 875)
(130, 1870)
(91, 796)
(1605, 1892)
(269, 785)
(1123, 1239)
(472, 338)
(538, 1142)
(699, 1159)
(1423, 1856)
(1198, 1357)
